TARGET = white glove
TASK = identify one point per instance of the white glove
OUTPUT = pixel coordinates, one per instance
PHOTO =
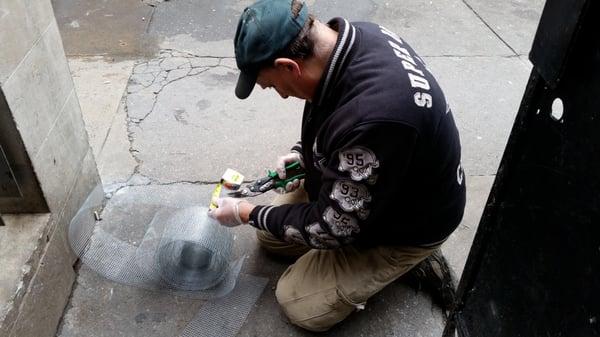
(282, 162)
(228, 212)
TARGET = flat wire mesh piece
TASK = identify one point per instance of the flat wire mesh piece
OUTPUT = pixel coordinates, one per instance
(215, 317)
(183, 252)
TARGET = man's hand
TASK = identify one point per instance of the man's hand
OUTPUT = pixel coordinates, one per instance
(282, 162)
(231, 212)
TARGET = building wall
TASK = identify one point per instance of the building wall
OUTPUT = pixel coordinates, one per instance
(39, 90)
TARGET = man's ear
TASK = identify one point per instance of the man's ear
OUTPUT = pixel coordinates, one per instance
(288, 65)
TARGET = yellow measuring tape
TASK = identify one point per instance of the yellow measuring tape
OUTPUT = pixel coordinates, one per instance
(231, 180)
(215, 195)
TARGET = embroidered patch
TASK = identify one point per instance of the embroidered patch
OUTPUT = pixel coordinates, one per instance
(351, 196)
(341, 224)
(293, 235)
(319, 238)
(359, 162)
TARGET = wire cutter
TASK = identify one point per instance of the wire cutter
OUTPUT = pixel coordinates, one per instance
(293, 171)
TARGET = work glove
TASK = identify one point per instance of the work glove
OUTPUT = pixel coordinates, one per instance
(228, 212)
(282, 162)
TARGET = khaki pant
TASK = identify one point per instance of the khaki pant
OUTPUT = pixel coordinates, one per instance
(325, 286)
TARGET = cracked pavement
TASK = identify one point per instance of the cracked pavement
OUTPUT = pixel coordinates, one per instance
(155, 80)
(176, 96)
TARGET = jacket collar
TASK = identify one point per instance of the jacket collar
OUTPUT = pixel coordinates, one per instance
(345, 41)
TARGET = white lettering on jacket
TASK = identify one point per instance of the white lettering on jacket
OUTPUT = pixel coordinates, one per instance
(416, 76)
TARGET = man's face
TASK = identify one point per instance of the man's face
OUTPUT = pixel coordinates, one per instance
(280, 78)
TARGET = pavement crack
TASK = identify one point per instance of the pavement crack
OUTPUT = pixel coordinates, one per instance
(131, 138)
(148, 81)
(157, 92)
(197, 55)
(116, 188)
(151, 18)
(490, 28)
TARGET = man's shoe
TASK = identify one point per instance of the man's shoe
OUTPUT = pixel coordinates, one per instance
(434, 276)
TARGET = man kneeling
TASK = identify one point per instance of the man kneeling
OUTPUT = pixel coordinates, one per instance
(384, 187)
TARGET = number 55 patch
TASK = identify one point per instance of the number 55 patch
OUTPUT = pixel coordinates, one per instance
(341, 224)
(359, 162)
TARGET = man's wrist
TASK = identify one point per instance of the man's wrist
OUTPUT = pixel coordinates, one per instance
(245, 208)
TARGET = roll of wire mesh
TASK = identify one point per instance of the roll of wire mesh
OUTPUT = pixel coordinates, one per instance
(193, 252)
(183, 251)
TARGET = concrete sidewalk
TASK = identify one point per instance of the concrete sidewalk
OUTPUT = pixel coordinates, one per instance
(164, 125)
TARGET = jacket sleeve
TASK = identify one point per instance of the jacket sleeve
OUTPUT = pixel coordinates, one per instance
(356, 177)
(297, 148)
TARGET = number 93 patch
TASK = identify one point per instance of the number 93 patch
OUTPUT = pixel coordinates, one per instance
(351, 197)
(359, 162)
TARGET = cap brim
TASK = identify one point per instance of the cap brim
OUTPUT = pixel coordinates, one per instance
(245, 84)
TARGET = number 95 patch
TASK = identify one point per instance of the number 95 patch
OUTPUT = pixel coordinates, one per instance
(359, 162)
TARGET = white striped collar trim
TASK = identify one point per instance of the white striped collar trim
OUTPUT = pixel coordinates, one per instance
(348, 29)
(349, 46)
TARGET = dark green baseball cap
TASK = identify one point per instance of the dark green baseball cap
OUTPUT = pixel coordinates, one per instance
(265, 29)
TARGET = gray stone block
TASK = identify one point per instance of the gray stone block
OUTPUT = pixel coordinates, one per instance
(42, 261)
(21, 25)
(87, 180)
(59, 160)
(21, 244)
(38, 90)
(47, 295)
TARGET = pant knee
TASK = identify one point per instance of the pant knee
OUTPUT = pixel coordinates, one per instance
(264, 238)
(318, 311)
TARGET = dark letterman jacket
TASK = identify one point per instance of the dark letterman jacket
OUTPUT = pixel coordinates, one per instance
(381, 151)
